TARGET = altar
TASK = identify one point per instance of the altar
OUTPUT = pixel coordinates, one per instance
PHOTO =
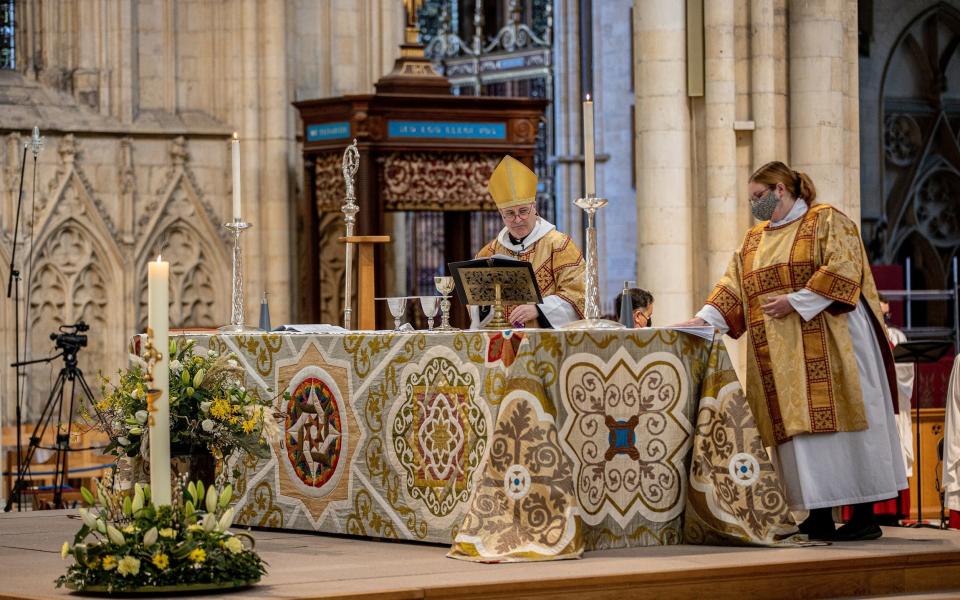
(508, 445)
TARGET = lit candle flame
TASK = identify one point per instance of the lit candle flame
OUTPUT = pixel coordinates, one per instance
(158, 258)
(588, 97)
(235, 138)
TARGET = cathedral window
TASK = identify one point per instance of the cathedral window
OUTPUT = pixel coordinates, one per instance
(7, 57)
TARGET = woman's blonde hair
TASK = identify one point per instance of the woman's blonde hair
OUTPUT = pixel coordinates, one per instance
(797, 183)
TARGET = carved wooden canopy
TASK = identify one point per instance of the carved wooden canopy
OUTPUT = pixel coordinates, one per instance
(418, 152)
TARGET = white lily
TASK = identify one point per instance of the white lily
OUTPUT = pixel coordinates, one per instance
(226, 520)
(150, 537)
(115, 536)
(88, 519)
(211, 499)
(209, 523)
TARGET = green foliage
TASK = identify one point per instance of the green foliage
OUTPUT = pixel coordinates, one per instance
(127, 542)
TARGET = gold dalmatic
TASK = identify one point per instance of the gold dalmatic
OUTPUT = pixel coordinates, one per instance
(802, 376)
(557, 264)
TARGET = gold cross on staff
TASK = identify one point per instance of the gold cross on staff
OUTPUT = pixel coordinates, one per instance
(412, 33)
(151, 355)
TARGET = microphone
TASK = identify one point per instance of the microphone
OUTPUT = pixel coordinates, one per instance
(36, 142)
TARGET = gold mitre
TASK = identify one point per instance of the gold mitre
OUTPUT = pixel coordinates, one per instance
(512, 183)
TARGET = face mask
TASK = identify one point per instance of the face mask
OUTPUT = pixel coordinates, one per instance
(763, 208)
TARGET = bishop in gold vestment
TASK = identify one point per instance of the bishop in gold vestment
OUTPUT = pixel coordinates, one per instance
(820, 380)
(557, 262)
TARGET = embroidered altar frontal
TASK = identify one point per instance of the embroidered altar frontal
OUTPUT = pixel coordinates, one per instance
(528, 446)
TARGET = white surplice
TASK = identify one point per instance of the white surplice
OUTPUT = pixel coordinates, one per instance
(951, 441)
(905, 375)
(848, 467)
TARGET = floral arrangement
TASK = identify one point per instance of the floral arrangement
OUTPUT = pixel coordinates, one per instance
(209, 406)
(127, 543)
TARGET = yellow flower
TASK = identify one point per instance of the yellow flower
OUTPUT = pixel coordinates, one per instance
(197, 555)
(249, 425)
(220, 409)
(131, 528)
(93, 563)
(195, 527)
(234, 420)
(161, 561)
(129, 566)
(167, 532)
(234, 545)
(103, 404)
(65, 550)
(109, 562)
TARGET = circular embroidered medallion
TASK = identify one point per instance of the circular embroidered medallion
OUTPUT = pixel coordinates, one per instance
(313, 432)
(516, 482)
(744, 469)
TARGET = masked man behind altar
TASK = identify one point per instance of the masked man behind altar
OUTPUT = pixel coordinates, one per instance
(557, 262)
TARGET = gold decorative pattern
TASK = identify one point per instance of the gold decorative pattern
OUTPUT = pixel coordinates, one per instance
(730, 472)
(437, 181)
(364, 519)
(260, 510)
(328, 181)
(263, 347)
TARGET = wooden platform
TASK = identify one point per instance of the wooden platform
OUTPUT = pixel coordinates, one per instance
(905, 561)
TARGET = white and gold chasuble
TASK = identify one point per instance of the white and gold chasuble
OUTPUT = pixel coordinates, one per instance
(818, 389)
(559, 268)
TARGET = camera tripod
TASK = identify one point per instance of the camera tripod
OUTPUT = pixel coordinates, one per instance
(70, 343)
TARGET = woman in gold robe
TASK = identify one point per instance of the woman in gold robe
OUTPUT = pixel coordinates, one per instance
(820, 376)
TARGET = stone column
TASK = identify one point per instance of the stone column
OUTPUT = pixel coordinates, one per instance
(852, 52)
(763, 95)
(568, 129)
(664, 229)
(277, 162)
(721, 165)
(255, 263)
(819, 98)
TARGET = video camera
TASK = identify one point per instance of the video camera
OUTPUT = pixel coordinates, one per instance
(70, 339)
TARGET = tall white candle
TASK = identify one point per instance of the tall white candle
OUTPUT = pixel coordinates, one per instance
(159, 322)
(235, 148)
(589, 160)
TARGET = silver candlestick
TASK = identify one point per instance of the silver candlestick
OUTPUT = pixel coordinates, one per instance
(236, 325)
(590, 205)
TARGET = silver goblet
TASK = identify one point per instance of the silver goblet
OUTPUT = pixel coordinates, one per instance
(445, 286)
(397, 306)
(430, 305)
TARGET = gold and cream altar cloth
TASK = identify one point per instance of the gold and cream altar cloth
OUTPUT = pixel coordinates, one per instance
(522, 446)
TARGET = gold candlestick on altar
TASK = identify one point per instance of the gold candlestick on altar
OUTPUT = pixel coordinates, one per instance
(499, 319)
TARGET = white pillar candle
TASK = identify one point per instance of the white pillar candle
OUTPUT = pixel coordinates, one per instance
(159, 321)
(589, 160)
(235, 149)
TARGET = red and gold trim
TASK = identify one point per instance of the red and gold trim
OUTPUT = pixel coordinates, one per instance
(730, 306)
